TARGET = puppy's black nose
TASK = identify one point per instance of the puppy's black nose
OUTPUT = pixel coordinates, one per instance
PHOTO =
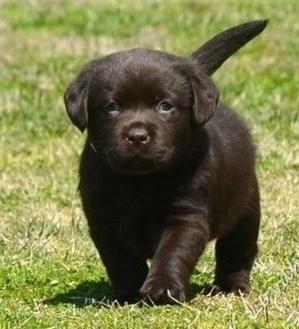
(138, 135)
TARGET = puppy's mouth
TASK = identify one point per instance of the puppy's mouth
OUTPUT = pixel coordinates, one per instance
(139, 164)
(136, 166)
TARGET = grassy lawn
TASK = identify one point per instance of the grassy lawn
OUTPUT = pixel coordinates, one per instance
(50, 275)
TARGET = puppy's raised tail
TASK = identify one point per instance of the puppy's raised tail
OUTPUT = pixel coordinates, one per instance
(217, 50)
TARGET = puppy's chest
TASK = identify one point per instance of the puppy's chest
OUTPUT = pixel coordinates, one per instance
(141, 225)
(140, 237)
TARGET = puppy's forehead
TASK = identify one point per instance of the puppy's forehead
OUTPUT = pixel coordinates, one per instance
(139, 59)
(141, 74)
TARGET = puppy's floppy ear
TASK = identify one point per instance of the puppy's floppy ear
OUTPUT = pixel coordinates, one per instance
(75, 100)
(217, 50)
(205, 95)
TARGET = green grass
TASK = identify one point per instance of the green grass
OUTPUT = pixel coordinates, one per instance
(50, 274)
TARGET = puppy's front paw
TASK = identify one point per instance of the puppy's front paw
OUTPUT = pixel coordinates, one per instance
(162, 291)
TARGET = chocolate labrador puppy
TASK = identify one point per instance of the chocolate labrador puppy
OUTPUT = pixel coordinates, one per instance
(166, 168)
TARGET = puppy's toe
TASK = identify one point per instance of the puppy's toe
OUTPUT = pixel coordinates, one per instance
(162, 291)
(237, 288)
(215, 290)
(241, 289)
(126, 297)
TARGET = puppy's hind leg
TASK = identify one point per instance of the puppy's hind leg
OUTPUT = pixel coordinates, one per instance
(236, 251)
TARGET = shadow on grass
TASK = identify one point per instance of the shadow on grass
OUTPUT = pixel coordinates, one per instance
(198, 289)
(99, 294)
(85, 294)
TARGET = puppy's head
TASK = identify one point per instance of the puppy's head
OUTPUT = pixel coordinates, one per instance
(141, 107)
(138, 107)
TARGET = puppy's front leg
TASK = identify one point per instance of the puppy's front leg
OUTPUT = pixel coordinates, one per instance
(126, 271)
(182, 242)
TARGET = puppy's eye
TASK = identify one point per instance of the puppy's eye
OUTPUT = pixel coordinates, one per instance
(164, 106)
(112, 108)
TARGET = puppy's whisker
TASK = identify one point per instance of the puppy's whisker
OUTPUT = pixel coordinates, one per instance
(93, 147)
